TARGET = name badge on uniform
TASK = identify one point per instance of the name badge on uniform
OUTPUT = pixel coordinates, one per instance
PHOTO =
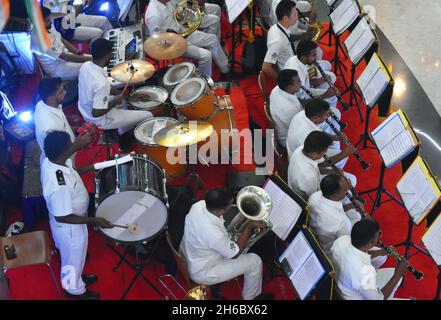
(60, 178)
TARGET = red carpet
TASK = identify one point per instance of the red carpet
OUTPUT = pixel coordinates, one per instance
(35, 282)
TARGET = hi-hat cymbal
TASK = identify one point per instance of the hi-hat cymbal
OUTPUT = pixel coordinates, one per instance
(133, 71)
(183, 134)
(165, 46)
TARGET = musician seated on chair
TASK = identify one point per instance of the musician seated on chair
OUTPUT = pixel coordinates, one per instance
(357, 278)
(284, 104)
(312, 118)
(279, 45)
(332, 215)
(307, 166)
(212, 257)
(67, 201)
(48, 114)
(61, 59)
(99, 102)
(203, 47)
(78, 26)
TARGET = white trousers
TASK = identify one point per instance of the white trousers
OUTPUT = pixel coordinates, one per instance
(71, 240)
(66, 70)
(383, 277)
(211, 19)
(248, 264)
(203, 47)
(92, 27)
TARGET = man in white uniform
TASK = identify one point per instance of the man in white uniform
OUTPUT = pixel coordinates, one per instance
(357, 279)
(303, 6)
(61, 59)
(306, 165)
(94, 90)
(85, 26)
(211, 256)
(284, 104)
(202, 46)
(67, 201)
(331, 219)
(49, 115)
(279, 45)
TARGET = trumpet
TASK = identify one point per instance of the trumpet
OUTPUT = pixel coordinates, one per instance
(328, 80)
(417, 274)
(345, 139)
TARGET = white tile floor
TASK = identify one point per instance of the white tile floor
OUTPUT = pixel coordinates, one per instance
(414, 29)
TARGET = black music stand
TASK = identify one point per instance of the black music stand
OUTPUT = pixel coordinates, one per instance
(338, 64)
(138, 266)
(329, 32)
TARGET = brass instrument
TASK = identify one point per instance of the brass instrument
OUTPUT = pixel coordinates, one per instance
(312, 24)
(188, 15)
(201, 292)
(255, 204)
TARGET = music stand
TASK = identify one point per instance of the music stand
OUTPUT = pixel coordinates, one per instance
(328, 32)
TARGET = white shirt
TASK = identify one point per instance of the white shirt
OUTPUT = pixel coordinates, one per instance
(303, 6)
(63, 190)
(299, 128)
(356, 276)
(303, 174)
(279, 46)
(206, 240)
(159, 17)
(328, 220)
(283, 107)
(93, 90)
(47, 119)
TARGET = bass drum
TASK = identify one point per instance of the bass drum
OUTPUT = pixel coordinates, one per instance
(144, 133)
(132, 193)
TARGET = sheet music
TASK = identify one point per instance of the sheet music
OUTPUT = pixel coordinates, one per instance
(368, 73)
(432, 240)
(235, 8)
(397, 148)
(297, 252)
(348, 17)
(111, 163)
(375, 88)
(330, 2)
(285, 210)
(308, 275)
(356, 33)
(340, 10)
(361, 46)
(388, 130)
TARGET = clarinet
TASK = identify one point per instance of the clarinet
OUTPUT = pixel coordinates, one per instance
(345, 139)
(342, 124)
(328, 80)
(341, 174)
(417, 274)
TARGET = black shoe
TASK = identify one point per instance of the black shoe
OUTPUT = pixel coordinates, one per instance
(264, 296)
(89, 279)
(88, 295)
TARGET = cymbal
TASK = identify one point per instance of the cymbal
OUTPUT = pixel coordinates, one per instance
(133, 71)
(165, 46)
(183, 133)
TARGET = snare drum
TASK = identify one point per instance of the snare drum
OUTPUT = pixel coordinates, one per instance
(144, 133)
(178, 73)
(132, 193)
(157, 95)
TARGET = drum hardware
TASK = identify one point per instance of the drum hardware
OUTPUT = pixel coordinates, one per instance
(117, 174)
(133, 72)
(165, 46)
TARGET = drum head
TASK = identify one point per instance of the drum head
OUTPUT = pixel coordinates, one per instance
(178, 73)
(145, 130)
(188, 91)
(158, 94)
(133, 207)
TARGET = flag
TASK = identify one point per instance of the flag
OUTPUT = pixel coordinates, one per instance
(4, 13)
(41, 36)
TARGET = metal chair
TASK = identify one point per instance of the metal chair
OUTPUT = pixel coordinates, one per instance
(30, 248)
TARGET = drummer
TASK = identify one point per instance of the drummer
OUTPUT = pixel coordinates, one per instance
(101, 103)
(67, 201)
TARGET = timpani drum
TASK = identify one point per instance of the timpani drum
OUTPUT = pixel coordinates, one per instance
(132, 193)
(144, 133)
(152, 98)
(178, 73)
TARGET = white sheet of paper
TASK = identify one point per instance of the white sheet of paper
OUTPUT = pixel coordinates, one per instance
(432, 240)
(361, 46)
(111, 163)
(376, 88)
(397, 148)
(388, 130)
(349, 16)
(340, 10)
(308, 275)
(235, 8)
(368, 73)
(297, 252)
(356, 33)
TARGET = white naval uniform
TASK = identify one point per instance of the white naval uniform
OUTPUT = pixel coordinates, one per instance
(304, 174)
(283, 107)
(92, 26)
(50, 60)
(279, 46)
(299, 128)
(94, 93)
(48, 119)
(65, 194)
(202, 46)
(357, 278)
(209, 251)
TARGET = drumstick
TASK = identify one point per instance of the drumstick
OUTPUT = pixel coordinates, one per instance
(120, 226)
(131, 227)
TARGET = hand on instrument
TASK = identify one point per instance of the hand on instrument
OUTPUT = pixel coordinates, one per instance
(102, 223)
(331, 92)
(360, 205)
(349, 149)
(119, 99)
(402, 266)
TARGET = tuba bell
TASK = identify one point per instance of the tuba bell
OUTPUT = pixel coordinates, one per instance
(255, 204)
(188, 15)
